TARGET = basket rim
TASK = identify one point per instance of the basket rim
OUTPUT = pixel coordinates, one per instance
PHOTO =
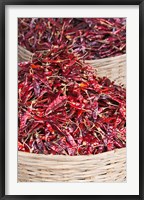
(113, 59)
(54, 157)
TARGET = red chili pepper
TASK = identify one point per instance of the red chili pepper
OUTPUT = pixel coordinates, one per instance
(49, 127)
(63, 107)
(59, 101)
(21, 146)
(90, 38)
(71, 140)
(36, 66)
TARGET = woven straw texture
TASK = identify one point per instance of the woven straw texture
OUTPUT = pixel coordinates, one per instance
(104, 167)
(114, 68)
(24, 55)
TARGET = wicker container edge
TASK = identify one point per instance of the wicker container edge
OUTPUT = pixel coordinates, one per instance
(105, 167)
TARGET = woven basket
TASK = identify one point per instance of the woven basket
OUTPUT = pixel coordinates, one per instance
(114, 68)
(105, 167)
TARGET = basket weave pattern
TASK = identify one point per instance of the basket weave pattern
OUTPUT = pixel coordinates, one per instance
(105, 167)
(114, 68)
(24, 55)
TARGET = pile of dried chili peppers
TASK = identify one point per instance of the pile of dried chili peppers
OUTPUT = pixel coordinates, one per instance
(91, 38)
(63, 107)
